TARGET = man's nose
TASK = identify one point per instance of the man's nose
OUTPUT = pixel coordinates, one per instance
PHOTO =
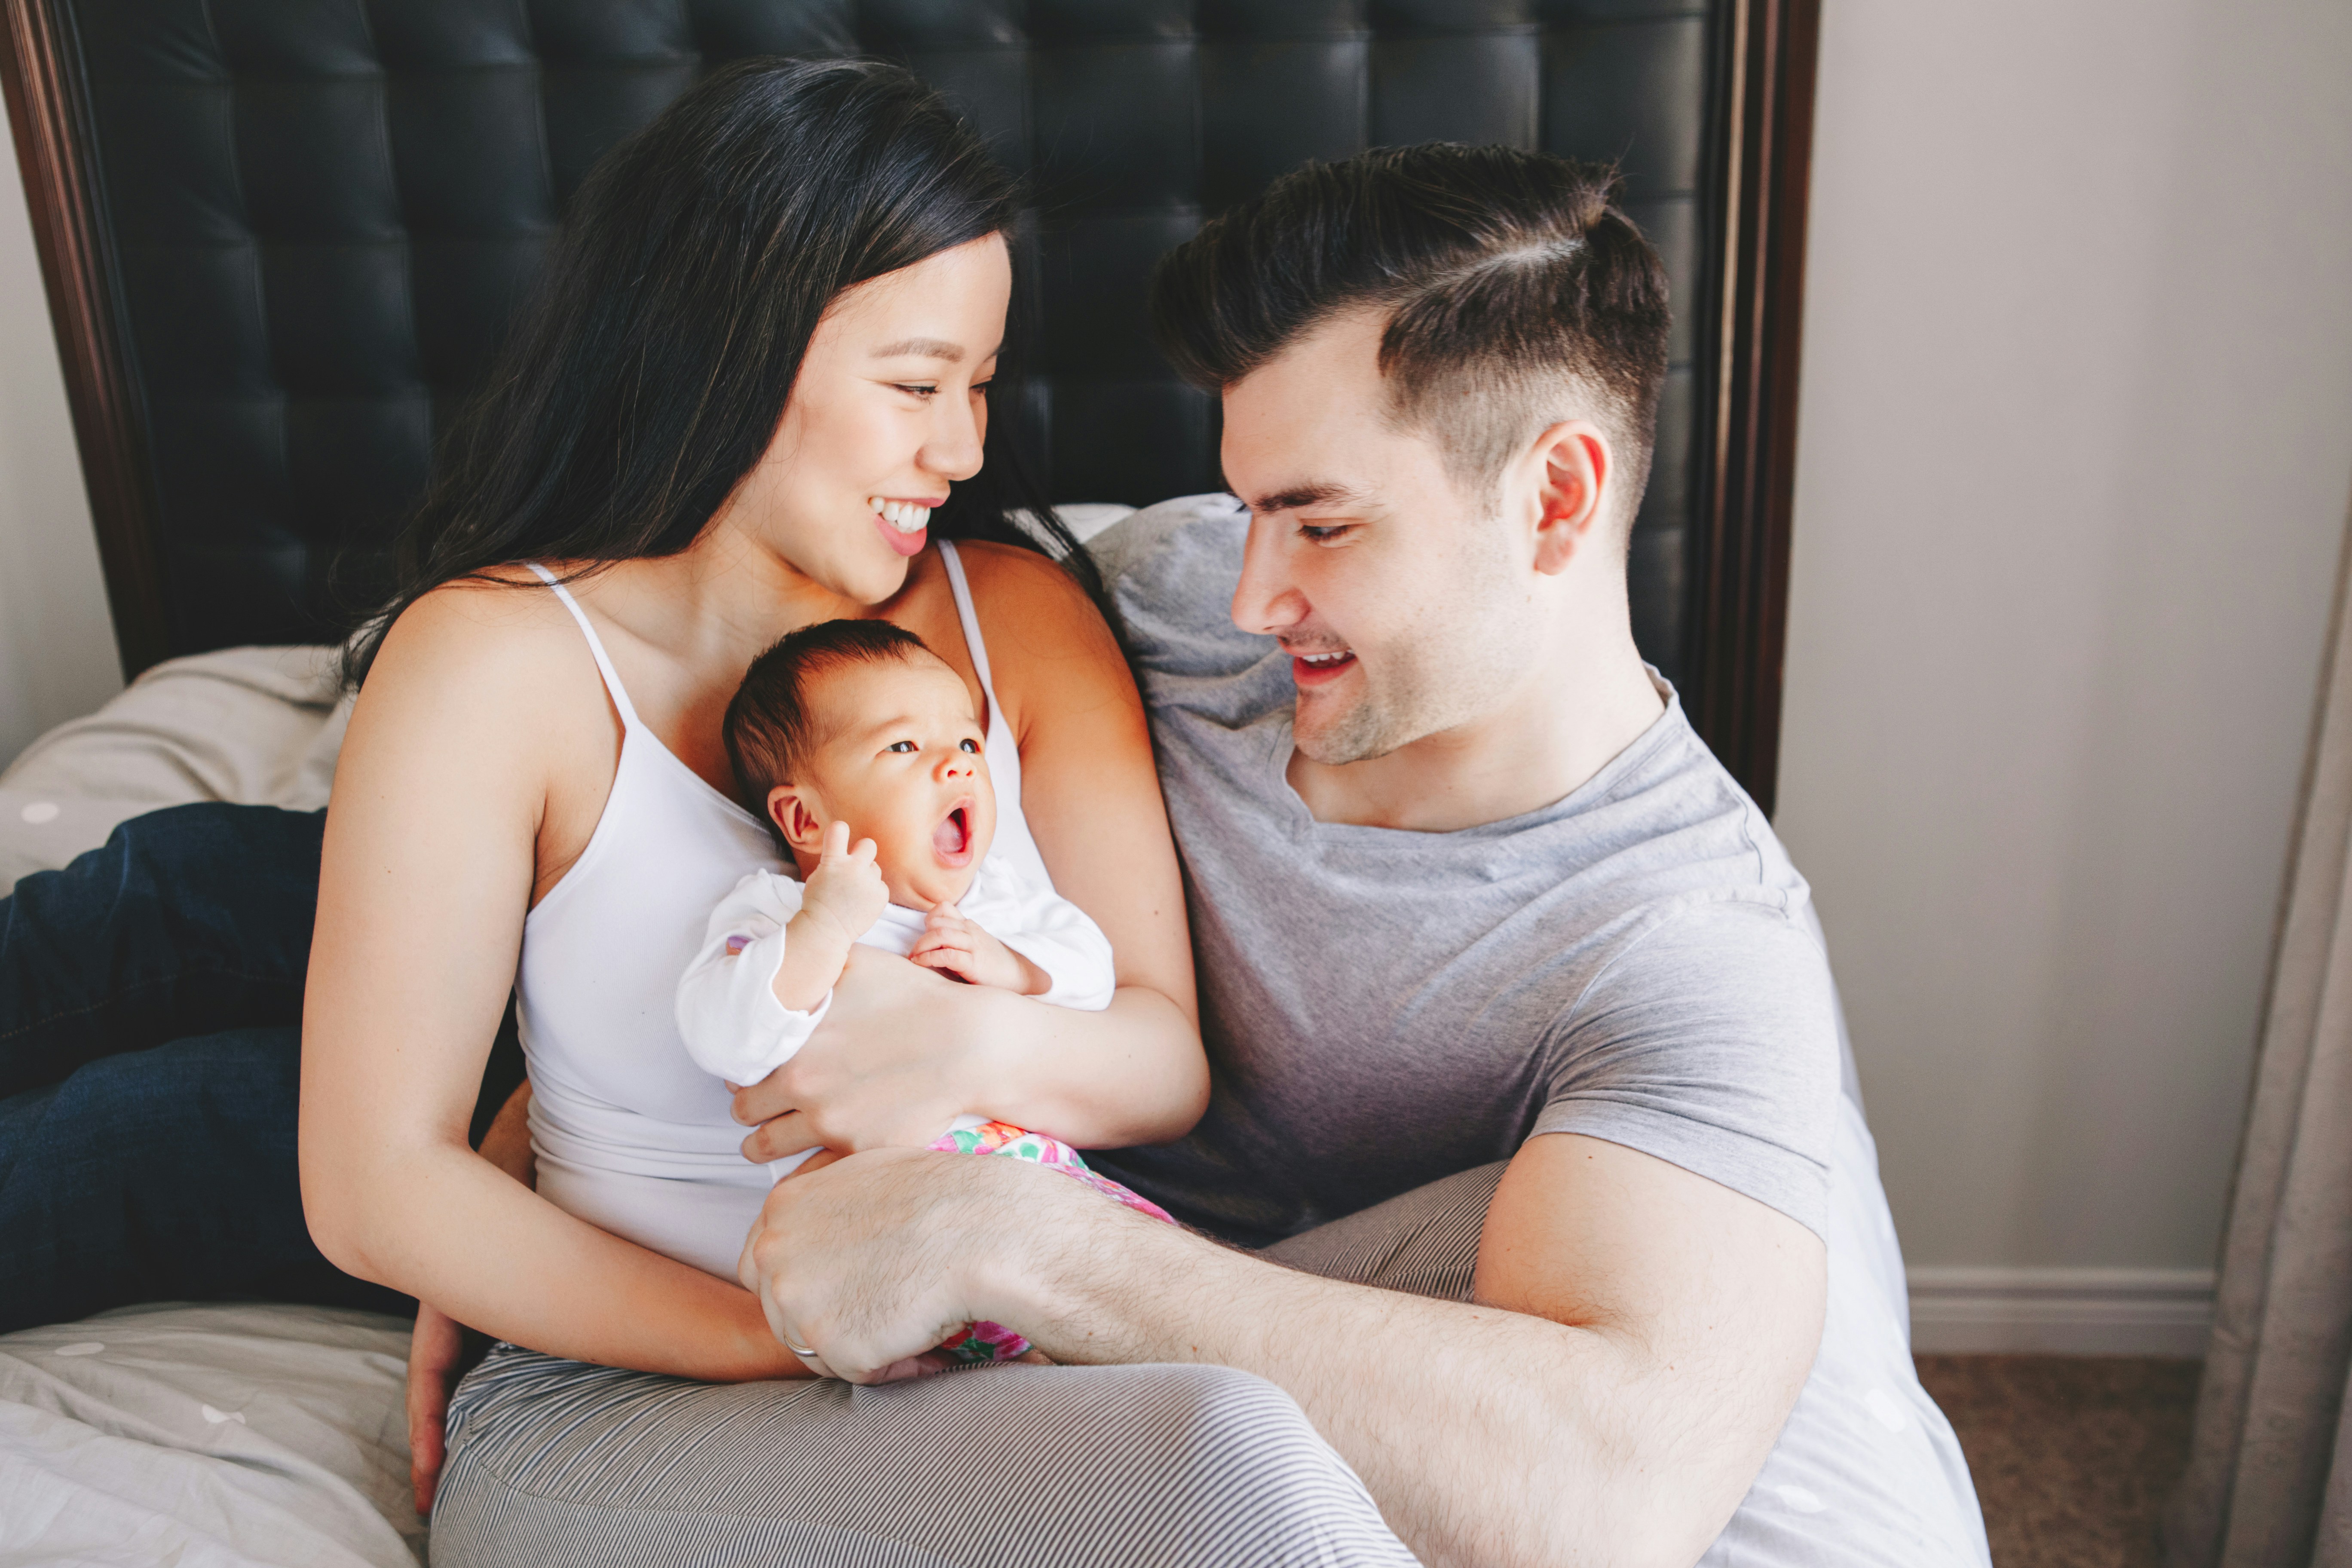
(1266, 600)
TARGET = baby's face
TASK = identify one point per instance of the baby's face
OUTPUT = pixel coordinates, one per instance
(904, 764)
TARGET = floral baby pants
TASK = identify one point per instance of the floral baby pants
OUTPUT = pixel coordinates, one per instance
(980, 1342)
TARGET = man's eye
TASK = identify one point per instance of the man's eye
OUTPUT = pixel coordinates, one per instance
(1323, 534)
(901, 746)
(969, 745)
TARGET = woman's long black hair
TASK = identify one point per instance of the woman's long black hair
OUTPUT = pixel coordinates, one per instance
(650, 370)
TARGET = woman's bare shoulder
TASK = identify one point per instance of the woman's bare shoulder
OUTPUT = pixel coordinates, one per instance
(502, 621)
(495, 649)
(1034, 596)
(1053, 655)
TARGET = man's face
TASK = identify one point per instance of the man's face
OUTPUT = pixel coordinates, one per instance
(1404, 605)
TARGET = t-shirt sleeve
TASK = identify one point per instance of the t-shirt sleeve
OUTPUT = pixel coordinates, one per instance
(1711, 1042)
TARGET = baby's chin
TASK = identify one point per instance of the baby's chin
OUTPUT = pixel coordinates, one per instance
(932, 887)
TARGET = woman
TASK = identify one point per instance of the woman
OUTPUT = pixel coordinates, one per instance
(756, 377)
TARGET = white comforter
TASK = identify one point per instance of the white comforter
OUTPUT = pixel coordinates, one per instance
(208, 1436)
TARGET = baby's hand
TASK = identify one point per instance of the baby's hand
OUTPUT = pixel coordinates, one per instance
(953, 946)
(846, 884)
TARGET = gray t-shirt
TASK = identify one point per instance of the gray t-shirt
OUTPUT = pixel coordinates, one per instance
(1385, 1008)
(1637, 962)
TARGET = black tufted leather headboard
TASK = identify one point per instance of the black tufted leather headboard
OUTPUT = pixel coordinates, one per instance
(283, 238)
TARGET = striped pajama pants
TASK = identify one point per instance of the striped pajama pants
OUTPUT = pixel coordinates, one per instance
(557, 1462)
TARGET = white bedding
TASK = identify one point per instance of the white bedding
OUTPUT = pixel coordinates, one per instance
(209, 1436)
(259, 726)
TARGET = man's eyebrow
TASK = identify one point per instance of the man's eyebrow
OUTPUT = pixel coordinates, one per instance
(921, 348)
(1317, 492)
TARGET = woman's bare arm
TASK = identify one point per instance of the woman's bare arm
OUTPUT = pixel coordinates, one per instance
(1131, 1074)
(445, 797)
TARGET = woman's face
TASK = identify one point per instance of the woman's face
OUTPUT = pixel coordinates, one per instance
(889, 410)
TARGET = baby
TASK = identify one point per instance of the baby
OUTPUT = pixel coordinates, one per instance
(857, 724)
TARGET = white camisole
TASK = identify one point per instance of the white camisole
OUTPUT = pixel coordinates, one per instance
(630, 1134)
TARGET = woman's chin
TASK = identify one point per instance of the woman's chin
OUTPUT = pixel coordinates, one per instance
(872, 578)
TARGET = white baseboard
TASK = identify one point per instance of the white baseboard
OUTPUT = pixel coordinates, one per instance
(1968, 1311)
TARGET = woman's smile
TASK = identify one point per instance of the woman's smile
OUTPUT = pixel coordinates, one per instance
(905, 524)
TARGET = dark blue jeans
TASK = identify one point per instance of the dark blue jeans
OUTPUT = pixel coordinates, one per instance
(150, 1003)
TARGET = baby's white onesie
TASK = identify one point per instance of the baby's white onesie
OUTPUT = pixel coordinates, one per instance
(735, 1027)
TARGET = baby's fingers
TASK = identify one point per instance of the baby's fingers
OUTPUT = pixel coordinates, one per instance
(836, 839)
(947, 961)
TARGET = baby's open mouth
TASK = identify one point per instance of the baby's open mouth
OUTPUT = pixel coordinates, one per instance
(953, 839)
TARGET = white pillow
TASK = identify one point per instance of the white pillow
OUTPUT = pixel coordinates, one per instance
(257, 726)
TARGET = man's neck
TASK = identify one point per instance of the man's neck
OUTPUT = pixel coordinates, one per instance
(1537, 749)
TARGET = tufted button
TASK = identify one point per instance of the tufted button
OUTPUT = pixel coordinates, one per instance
(324, 212)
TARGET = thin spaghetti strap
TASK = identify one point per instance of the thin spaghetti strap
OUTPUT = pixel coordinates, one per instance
(970, 620)
(596, 646)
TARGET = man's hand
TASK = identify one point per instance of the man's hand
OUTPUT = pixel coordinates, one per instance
(872, 1263)
(954, 945)
(846, 885)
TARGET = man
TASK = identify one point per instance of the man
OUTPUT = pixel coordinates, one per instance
(1495, 957)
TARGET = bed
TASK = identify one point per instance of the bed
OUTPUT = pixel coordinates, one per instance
(281, 238)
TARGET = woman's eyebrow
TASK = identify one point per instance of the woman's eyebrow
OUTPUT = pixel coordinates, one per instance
(921, 348)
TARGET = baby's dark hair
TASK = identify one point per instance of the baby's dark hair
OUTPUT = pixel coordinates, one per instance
(768, 728)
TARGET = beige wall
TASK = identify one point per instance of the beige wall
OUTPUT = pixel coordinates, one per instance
(2072, 473)
(56, 644)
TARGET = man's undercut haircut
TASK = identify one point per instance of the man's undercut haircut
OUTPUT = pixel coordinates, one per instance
(1517, 295)
(769, 727)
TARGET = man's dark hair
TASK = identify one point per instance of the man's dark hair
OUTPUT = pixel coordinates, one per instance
(769, 729)
(1517, 295)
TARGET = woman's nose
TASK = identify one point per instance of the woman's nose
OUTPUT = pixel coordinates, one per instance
(959, 432)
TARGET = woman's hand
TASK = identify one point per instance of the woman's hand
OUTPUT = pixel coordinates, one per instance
(440, 1352)
(902, 1053)
(440, 1349)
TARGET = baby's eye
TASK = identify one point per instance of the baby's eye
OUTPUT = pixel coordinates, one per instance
(969, 745)
(901, 746)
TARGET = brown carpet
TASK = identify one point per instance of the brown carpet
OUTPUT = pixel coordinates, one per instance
(2074, 1457)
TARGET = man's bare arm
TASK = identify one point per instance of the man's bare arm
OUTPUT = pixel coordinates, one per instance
(1638, 1337)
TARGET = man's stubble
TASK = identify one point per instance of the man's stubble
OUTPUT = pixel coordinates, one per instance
(1447, 662)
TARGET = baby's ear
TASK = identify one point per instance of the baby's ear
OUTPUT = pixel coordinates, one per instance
(796, 817)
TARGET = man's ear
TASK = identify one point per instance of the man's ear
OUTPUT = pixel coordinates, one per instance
(1572, 465)
(795, 817)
